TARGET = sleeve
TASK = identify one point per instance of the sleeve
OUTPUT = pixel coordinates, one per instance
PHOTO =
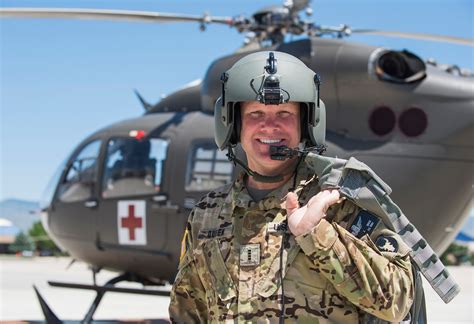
(378, 283)
(188, 297)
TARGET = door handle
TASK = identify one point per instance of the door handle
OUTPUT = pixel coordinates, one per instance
(91, 203)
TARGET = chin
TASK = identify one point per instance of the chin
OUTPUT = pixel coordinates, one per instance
(273, 167)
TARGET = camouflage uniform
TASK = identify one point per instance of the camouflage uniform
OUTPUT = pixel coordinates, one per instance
(330, 276)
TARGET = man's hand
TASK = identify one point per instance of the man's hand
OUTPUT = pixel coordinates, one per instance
(303, 220)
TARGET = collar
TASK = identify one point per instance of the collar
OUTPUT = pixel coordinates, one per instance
(239, 196)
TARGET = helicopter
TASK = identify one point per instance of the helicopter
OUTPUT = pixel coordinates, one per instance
(121, 199)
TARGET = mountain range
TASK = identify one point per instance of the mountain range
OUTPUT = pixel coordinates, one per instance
(21, 213)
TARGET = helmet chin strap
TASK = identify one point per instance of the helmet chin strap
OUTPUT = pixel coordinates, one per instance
(257, 176)
(280, 153)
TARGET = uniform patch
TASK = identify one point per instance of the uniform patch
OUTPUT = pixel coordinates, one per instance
(364, 223)
(386, 244)
(250, 255)
(279, 227)
(215, 232)
(183, 245)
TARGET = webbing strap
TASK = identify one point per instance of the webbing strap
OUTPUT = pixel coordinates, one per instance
(329, 170)
(361, 185)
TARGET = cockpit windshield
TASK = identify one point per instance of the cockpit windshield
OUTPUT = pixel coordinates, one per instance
(133, 167)
(48, 193)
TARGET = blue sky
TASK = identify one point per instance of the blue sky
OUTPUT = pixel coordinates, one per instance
(61, 80)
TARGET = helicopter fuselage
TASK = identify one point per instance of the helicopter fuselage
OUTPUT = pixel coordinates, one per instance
(411, 122)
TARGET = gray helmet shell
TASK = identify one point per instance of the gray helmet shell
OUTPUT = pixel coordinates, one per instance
(245, 80)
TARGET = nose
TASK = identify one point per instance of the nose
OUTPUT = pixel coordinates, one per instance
(270, 122)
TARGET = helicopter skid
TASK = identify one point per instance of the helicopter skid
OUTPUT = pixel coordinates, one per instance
(50, 317)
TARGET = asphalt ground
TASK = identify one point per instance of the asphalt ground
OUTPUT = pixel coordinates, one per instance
(18, 301)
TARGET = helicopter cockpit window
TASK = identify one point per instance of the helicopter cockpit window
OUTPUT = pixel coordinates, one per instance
(81, 175)
(208, 168)
(133, 167)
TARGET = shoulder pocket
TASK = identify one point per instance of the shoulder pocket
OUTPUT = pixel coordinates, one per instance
(217, 271)
(185, 261)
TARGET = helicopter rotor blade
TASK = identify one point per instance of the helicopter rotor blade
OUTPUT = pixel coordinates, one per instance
(241, 23)
(428, 37)
(296, 5)
(107, 14)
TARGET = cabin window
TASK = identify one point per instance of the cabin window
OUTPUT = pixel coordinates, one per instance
(208, 168)
(81, 175)
(133, 167)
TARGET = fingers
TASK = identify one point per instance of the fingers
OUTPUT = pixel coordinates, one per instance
(331, 198)
(324, 199)
(291, 203)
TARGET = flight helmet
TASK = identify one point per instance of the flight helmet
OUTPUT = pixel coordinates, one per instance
(271, 78)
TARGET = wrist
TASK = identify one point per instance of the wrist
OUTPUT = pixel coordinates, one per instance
(320, 238)
(307, 226)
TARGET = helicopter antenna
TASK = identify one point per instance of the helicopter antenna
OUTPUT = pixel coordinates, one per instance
(147, 106)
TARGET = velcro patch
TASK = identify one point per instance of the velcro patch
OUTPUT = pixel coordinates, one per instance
(250, 255)
(215, 232)
(364, 223)
(386, 244)
(280, 227)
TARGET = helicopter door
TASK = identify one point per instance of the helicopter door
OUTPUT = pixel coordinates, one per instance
(131, 183)
(74, 211)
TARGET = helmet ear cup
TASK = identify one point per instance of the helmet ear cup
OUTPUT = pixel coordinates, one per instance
(313, 123)
(237, 124)
(304, 123)
(318, 131)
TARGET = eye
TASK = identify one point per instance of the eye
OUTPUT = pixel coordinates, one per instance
(256, 114)
(284, 114)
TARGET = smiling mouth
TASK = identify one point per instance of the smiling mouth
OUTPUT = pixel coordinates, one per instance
(270, 141)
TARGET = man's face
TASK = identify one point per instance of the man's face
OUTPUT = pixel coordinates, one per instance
(268, 125)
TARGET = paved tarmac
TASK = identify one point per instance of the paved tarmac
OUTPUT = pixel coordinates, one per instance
(18, 300)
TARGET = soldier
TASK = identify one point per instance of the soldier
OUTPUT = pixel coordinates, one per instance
(273, 246)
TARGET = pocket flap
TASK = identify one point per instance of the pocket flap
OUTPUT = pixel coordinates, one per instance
(220, 276)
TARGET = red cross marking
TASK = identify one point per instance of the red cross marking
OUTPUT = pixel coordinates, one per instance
(131, 222)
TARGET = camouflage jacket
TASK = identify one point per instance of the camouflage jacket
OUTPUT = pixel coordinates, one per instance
(346, 269)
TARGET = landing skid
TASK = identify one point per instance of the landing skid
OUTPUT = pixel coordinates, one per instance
(51, 318)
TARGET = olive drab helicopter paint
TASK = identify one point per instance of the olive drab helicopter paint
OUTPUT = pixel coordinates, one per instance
(121, 200)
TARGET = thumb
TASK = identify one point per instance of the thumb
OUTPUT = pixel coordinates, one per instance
(292, 203)
(333, 198)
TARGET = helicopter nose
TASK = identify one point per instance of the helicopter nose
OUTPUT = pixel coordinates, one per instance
(44, 214)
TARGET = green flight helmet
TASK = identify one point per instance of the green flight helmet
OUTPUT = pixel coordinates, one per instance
(272, 78)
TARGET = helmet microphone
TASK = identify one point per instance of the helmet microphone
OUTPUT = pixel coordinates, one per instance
(283, 152)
